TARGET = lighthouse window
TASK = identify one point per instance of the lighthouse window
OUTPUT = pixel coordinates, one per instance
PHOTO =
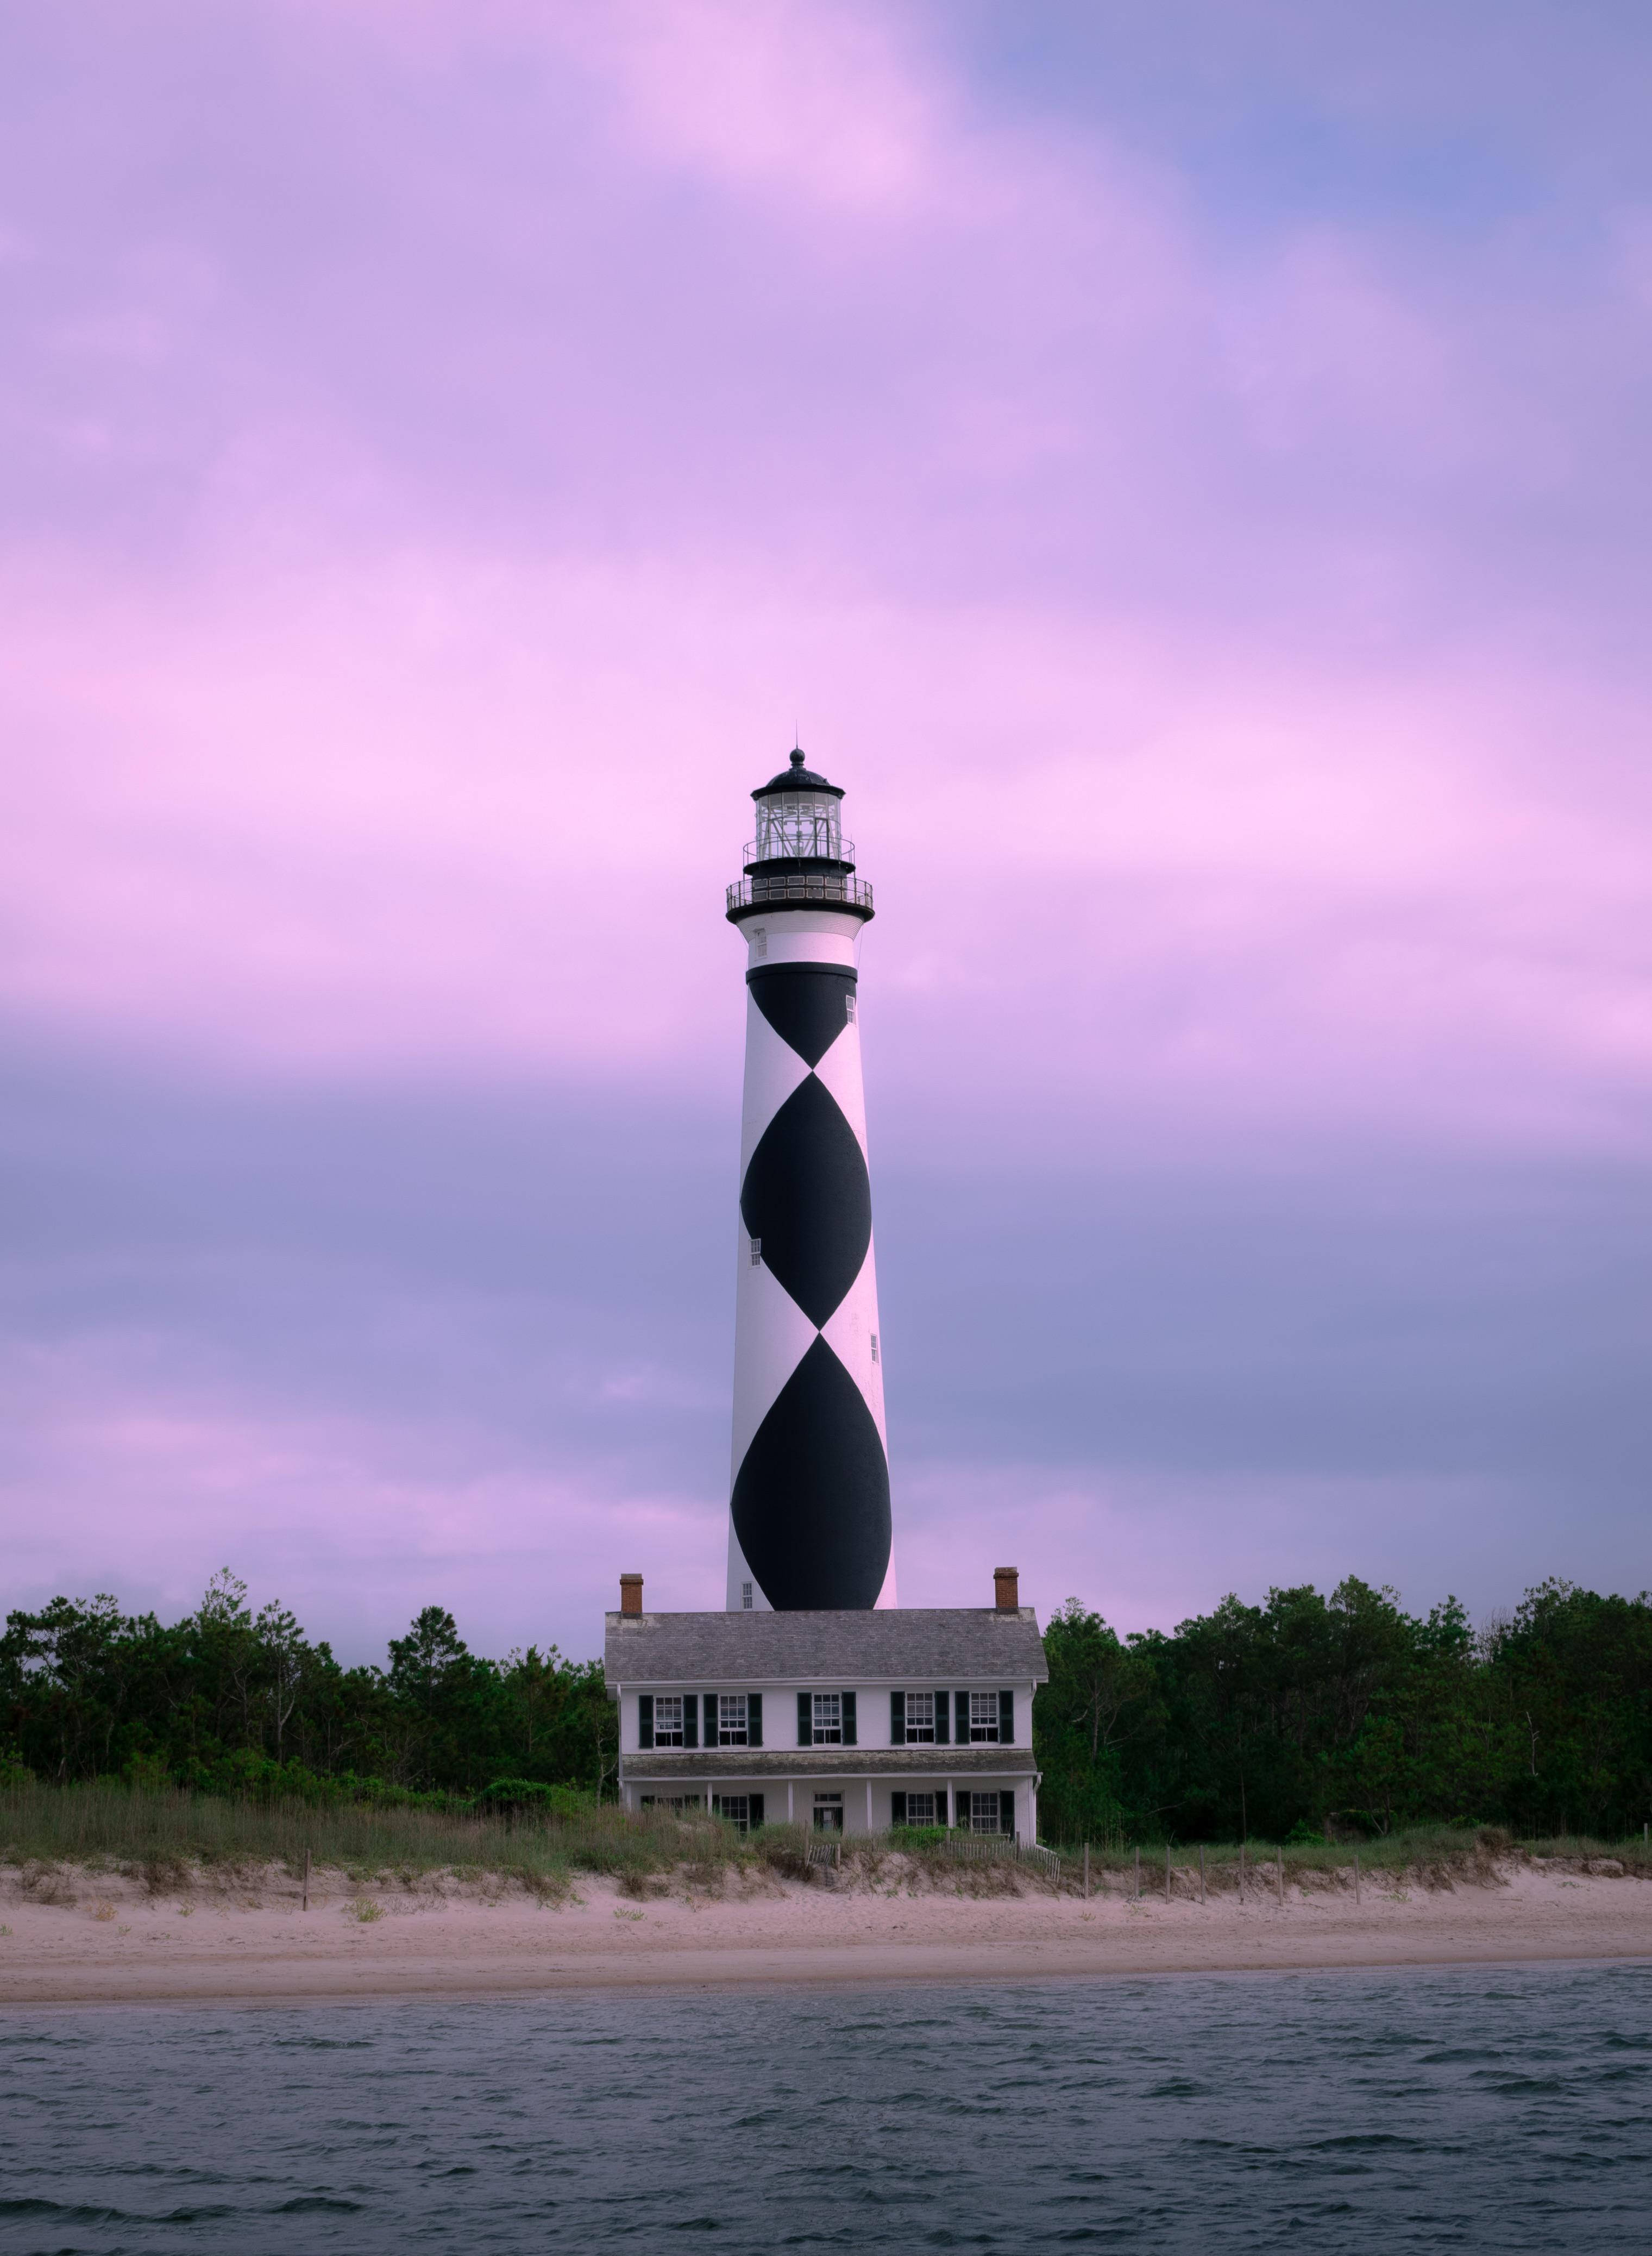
(828, 1719)
(848, 1006)
(920, 1718)
(799, 825)
(757, 1253)
(731, 1719)
(874, 1347)
(668, 1719)
(745, 1596)
(760, 941)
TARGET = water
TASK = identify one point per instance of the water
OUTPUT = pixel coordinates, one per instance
(1490, 2109)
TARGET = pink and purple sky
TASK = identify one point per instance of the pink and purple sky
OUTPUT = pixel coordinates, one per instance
(1184, 471)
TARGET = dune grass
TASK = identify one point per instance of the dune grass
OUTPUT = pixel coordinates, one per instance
(1416, 1847)
(165, 1836)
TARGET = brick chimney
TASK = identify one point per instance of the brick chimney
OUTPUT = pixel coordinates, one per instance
(1007, 1588)
(630, 1593)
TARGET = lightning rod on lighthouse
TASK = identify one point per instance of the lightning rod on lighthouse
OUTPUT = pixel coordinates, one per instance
(809, 1501)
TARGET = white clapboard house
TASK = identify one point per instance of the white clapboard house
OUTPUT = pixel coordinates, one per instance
(846, 1721)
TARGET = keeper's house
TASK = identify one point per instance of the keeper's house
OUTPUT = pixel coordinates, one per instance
(847, 1721)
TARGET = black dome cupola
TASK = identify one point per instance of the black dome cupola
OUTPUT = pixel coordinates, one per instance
(797, 778)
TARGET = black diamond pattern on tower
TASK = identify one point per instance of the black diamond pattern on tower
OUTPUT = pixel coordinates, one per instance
(806, 1003)
(810, 1502)
(809, 1506)
(806, 1196)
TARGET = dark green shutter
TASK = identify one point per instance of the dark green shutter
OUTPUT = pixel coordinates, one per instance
(943, 1716)
(961, 1731)
(645, 1719)
(897, 1723)
(897, 1803)
(940, 1805)
(754, 1719)
(1006, 1813)
(849, 1740)
(1006, 1719)
(691, 1719)
(754, 1806)
(805, 1720)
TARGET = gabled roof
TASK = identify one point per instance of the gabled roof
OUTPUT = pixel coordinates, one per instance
(914, 1644)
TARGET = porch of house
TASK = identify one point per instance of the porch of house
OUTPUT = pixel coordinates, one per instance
(851, 1803)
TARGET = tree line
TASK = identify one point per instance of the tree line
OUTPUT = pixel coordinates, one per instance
(1303, 1714)
(1345, 1714)
(227, 1701)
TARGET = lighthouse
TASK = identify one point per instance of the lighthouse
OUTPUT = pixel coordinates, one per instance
(809, 1496)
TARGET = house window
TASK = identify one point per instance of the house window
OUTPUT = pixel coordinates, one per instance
(920, 1809)
(736, 1807)
(985, 1813)
(668, 1719)
(757, 1253)
(920, 1722)
(828, 1813)
(731, 1719)
(745, 1596)
(983, 1720)
(828, 1722)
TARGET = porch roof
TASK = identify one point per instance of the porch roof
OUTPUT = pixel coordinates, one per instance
(657, 1767)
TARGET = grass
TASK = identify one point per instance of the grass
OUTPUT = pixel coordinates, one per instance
(1416, 1847)
(165, 1836)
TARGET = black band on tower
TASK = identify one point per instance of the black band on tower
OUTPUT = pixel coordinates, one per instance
(806, 1003)
(808, 1199)
(811, 1498)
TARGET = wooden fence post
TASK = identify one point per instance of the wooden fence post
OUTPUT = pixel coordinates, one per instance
(1282, 1876)
(1167, 1871)
(1138, 1874)
(1086, 1872)
(305, 1905)
(1356, 1876)
(1201, 1872)
(1241, 1872)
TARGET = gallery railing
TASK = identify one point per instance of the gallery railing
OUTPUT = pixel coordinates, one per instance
(782, 889)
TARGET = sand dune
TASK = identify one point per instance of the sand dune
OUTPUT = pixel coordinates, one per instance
(106, 1941)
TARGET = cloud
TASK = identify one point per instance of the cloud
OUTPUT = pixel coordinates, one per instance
(378, 1344)
(427, 813)
(355, 1526)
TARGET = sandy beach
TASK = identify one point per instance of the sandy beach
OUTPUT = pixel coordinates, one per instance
(107, 1940)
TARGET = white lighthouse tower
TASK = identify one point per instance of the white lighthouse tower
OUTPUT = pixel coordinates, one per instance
(809, 1499)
